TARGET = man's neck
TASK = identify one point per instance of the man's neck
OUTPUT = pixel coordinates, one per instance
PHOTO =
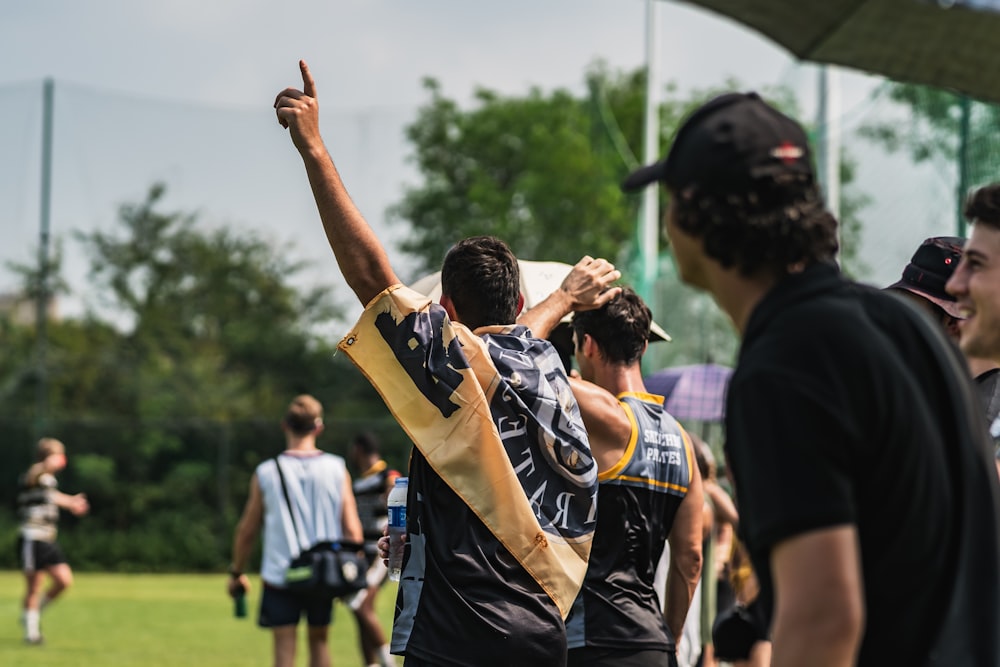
(979, 365)
(619, 379)
(738, 295)
(300, 445)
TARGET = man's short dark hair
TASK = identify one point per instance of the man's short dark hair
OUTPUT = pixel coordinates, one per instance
(367, 443)
(481, 277)
(982, 206)
(304, 415)
(620, 328)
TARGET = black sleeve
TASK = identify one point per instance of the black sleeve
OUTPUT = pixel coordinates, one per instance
(791, 450)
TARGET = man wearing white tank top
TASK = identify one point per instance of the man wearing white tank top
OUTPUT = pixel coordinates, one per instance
(320, 495)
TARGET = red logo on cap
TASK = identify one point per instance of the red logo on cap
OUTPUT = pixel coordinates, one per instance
(787, 152)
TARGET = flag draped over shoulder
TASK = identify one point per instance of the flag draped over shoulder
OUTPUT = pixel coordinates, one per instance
(493, 414)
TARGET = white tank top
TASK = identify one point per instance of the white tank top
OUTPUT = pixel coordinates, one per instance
(315, 489)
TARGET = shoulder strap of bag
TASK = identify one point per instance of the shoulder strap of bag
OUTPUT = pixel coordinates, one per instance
(288, 502)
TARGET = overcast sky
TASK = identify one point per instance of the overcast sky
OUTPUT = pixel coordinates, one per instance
(180, 91)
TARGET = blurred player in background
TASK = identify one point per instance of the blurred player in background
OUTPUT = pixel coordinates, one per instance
(38, 504)
(374, 479)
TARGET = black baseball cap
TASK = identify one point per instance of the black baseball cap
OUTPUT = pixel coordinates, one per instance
(929, 269)
(725, 145)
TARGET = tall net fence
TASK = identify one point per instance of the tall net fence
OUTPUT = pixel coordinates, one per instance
(231, 166)
(235, 167)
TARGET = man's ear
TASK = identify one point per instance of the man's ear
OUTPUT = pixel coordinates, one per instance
(588, 347)
(449, 307)
(520, 303)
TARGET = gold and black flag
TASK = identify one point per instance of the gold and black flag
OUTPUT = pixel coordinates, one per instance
(493, 414)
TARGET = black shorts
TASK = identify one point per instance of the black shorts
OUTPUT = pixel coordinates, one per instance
(602, 657)
(35, 555)
(280, 607)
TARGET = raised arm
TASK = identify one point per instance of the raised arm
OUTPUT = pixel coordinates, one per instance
(588, 286)
(360, 255)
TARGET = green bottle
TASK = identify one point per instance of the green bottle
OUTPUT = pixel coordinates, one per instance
(240, 604)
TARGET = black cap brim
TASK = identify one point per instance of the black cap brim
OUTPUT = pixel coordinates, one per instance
(643, 176)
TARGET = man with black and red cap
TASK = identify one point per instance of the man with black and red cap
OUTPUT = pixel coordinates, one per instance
(923, 281)
(863, 473)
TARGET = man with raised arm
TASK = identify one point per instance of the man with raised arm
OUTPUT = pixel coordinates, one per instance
(502, 484)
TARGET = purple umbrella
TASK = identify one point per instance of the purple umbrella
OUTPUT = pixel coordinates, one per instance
(695, 392)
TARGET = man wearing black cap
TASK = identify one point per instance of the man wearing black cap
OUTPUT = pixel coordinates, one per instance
(923, 281)
(862, 471)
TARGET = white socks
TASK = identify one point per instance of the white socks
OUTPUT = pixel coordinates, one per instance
(32, 629)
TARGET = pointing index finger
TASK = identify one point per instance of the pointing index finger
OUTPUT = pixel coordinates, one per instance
(308, 84)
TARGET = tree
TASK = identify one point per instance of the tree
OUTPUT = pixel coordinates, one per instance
(939, 120)
(515, 168)
(171, 391)
(204, 310)
(542, 171)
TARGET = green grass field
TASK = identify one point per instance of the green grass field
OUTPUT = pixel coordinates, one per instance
(119, 620)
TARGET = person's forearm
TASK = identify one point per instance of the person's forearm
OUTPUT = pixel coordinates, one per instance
(62, 500)
(546, 315)
(723, 505)
(586, 287)
(682, 579)
(360, 255)
(242, 546)
(798, 644)
(819, 608)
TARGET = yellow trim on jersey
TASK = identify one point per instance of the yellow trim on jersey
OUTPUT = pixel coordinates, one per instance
(654, 482)
(611, 472)
(643, 396)
(377, 468)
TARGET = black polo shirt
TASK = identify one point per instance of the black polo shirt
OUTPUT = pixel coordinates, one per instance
(849, 407)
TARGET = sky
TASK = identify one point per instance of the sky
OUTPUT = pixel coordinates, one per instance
(181, 92)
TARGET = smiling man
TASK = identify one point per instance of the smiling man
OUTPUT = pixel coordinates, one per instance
(976, 283)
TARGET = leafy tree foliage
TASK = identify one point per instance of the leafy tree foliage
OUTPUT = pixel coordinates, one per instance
(204, 309)
(514, 168)
(170, 392)
(541, 171)
(934, 132)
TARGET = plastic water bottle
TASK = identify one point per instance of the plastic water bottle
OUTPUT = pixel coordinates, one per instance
(397, 526)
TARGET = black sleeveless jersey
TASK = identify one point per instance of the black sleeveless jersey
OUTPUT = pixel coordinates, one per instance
(464, 599)
(370, 494)
(637, 501)
(37, 509)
